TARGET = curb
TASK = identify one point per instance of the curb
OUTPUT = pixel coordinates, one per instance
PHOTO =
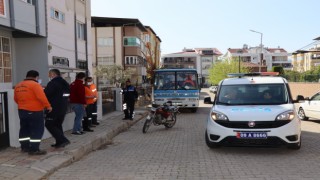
(42, 169)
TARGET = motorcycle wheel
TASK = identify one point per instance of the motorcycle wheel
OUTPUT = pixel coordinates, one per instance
(171, 121)
(146, 125)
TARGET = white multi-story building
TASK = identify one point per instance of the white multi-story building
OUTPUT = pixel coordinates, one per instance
(270, 56)
(69, 45)
(201, 59)
(40, 35)
(305, 60)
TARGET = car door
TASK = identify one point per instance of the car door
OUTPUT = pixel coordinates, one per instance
(314, 106)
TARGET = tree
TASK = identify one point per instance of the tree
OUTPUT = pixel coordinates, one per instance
(151, 62)
(220, 70)
(278, 69)
(114, 73)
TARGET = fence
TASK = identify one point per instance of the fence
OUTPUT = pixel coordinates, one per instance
(144, 95)
(108, 100)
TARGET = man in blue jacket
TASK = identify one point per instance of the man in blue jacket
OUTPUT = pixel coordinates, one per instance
(57, 92)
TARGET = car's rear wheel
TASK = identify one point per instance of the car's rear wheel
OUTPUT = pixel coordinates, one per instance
(302, 114)
(209, 143)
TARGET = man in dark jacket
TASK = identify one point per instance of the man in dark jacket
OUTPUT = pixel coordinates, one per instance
(57, 92)
(129, 97)
(78, 102)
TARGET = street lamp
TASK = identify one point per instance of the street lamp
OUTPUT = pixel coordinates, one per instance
(239, 52)
(261, 58)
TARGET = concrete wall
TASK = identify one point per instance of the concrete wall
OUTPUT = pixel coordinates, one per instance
(305, 89)
(31, 54)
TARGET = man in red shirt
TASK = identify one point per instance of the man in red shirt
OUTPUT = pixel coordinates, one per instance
(78, 102)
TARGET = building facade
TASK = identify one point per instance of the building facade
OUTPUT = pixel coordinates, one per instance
(23, 40)
(265, 61)
(125, 42)
(305, 60)
(201, 59)
(69, 44)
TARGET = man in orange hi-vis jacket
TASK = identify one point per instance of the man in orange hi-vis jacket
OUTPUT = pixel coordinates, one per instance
(32, 101)
(93, 88)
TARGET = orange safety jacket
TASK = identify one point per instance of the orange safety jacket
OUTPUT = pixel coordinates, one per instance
(93, 88)
(89, 95)
(30, 96)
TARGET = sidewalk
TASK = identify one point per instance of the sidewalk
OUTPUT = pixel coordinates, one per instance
(17, 165)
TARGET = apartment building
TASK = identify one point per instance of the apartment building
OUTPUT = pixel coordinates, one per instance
(125, 42)
(305, 60)
(201, 59)
(260, 59)
(22, 40)
(69, 44)
(23, 46)
(39, 35)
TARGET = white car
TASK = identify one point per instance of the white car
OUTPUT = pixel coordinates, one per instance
(310, 107)
(253, 110)
(213, 89)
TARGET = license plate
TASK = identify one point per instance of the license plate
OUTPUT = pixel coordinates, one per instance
(252, 135)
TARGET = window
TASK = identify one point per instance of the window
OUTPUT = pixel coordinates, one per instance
(106, 60)
(134, 60)
(82, 64)
(105, 41)
(5, 60)
(131, 41)
(80, 30)
(57, 15)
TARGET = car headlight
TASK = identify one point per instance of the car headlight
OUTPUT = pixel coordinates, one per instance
(288, 115)
(216, 116)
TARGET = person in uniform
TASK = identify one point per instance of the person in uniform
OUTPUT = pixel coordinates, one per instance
(32, 102)
(90, 96)
(57, 92)
(129, 97)
(93, 88)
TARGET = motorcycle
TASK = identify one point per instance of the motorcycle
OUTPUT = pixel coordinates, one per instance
(165, 114)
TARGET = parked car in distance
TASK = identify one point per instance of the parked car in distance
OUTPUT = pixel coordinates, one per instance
(310, 107)
(213, 89)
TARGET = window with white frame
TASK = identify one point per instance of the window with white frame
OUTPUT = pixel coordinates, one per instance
(5, 60)
(80, 30)
(105, 41)
(57, 15)
(133, 60)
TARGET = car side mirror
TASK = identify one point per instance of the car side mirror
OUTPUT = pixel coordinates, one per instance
(207, 100)
(299, 98)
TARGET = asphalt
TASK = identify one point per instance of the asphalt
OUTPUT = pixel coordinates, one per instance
(17, 165)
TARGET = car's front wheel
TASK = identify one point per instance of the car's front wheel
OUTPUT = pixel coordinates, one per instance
(302, 114)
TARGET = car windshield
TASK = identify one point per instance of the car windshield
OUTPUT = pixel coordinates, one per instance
(253, 94)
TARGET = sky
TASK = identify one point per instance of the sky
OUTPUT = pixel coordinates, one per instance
(221, 24)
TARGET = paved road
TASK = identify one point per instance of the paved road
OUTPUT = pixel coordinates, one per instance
(181, 153)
